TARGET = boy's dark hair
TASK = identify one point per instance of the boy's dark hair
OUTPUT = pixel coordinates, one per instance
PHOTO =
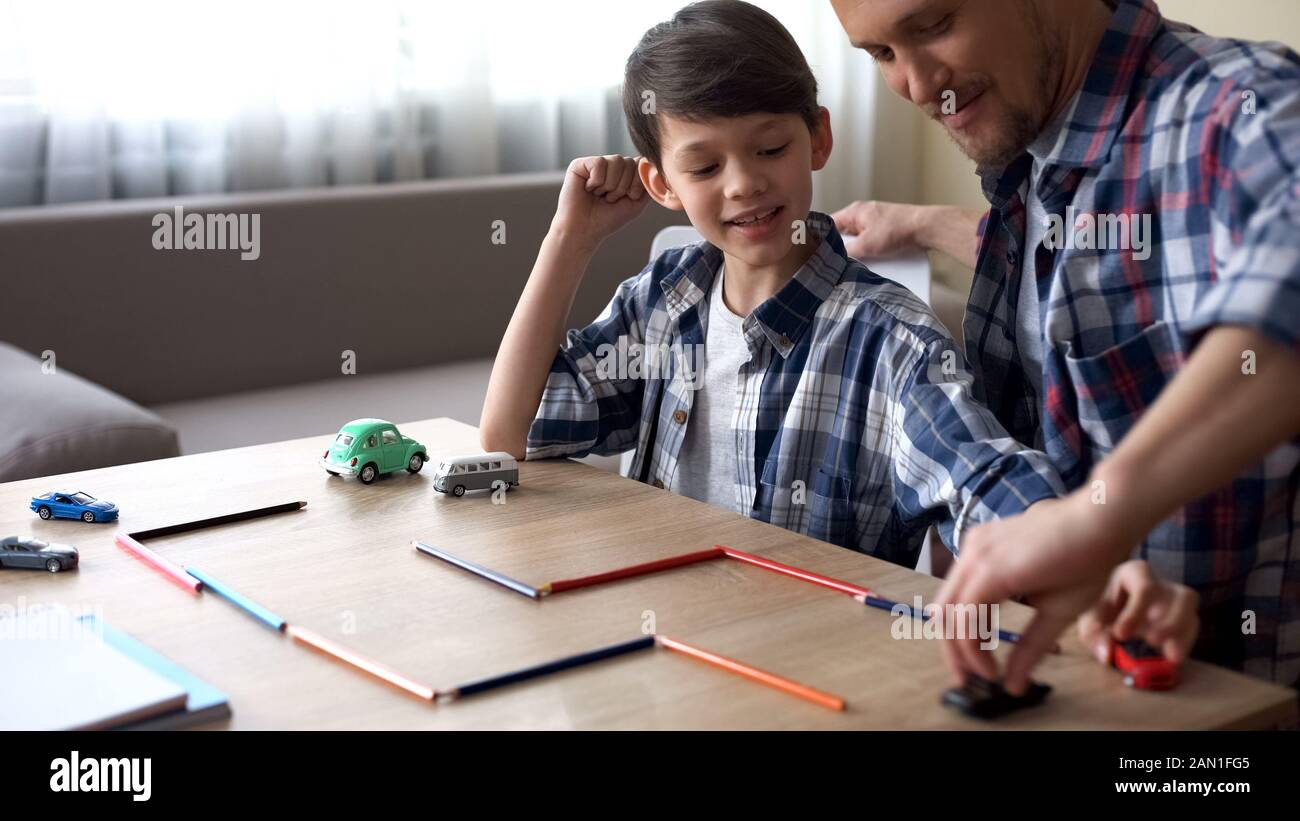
(717, 58)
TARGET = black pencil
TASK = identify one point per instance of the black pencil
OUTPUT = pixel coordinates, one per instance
(589, 657)
(185, 527)
(478, 570)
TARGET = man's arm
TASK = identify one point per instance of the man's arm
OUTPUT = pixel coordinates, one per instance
(886, 229)
(1210, 423)
(599, 196)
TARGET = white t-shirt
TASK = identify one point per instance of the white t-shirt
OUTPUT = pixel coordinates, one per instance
(706, 467)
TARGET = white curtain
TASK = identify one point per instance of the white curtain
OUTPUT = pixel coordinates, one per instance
(113, 100)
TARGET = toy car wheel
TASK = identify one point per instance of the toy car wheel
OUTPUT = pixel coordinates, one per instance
(88, 517)
(367, 474)
(53, 566)
(417, 462)
(458, 490)
(44, 512)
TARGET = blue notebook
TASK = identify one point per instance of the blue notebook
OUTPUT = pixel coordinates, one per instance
(205, 703)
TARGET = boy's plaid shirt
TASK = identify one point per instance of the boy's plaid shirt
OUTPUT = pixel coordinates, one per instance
(853, 419)
(1202, 135)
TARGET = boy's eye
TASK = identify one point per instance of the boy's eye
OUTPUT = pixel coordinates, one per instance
(703, 172)
(882, 55)
(939, 27)
(773, 152)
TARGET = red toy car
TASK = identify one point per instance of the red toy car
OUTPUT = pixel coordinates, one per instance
(1143, 666)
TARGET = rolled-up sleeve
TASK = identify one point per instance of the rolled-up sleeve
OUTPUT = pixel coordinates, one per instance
(1256, 229)
(592, 402)
(952, 453)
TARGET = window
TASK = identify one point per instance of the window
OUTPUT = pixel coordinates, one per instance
(483, 466)
(343, 439)
(390, 437)
(372, 441)
(473, 468)
(63, 500)
(496, 465)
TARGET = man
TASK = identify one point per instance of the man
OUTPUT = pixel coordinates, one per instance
(1136, 304)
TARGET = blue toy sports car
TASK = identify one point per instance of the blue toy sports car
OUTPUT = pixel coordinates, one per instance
(61, 505)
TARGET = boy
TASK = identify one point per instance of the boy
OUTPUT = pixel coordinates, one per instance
(801, 389)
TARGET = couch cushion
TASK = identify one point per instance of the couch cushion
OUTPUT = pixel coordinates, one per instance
(59, 422)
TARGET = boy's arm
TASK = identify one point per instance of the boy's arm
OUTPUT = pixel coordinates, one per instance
(599, 196)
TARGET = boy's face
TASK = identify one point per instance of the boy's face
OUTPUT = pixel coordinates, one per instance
(742, 181)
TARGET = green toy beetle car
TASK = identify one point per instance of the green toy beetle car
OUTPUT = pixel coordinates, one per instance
(367, 448)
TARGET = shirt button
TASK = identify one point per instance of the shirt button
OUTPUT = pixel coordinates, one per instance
(679, 416)
(785, 341)
(1011, 257)
(659, 483)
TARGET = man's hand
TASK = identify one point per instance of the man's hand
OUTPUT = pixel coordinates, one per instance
(1139, 605)
(883, 229)
(1059, 553)
(599, 196)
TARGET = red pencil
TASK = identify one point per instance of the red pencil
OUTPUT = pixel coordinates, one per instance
(634, 570)
(806, 575)
(785, 685)
(173, 572)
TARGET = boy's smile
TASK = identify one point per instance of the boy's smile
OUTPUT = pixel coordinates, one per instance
(743, 181)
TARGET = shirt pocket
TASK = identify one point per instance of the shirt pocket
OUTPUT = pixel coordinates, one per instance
(1112, 389)
(821, 506)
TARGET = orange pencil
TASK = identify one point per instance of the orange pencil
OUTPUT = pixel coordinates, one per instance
(806, 575)
(794, 688)
(336, 651)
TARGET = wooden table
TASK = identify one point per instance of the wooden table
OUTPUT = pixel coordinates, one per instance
(345, 567)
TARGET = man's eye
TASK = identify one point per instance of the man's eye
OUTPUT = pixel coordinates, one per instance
(882, 55)
(773, 152)
(703, 172)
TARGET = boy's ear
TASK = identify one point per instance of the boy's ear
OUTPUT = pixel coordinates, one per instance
(654, 182)
(822, 139)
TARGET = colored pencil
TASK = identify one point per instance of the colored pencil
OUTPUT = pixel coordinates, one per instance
(339, 653)
(634, 570)
(885, 604)
(173, 572)
(794, 688)
(228, 593)
(545, 669)
(806, 575)
(478, 570)
(185, 527)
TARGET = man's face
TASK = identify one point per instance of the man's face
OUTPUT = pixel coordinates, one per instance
(741, 180)
(996, 60)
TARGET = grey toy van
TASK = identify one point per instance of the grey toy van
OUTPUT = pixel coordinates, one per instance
(477, 471)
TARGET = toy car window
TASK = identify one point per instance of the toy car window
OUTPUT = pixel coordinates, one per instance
(38, 544)
(483, 466)
(371, 441)
(390, 437)
(343, 439)
(63, 500)
(82, 499)
(496, 465)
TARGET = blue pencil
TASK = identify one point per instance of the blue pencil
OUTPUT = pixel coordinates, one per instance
(885, 604)
(545, 669)
(478, 570)
(249, 606)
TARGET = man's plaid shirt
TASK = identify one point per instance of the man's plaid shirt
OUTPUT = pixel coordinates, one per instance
(853, 419)
(1203, 135)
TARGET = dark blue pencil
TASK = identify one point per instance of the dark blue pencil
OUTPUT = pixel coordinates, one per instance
(885, 604)
(478, 570)
(590, 657)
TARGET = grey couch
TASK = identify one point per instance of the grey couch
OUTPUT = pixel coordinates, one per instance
(232, 352)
